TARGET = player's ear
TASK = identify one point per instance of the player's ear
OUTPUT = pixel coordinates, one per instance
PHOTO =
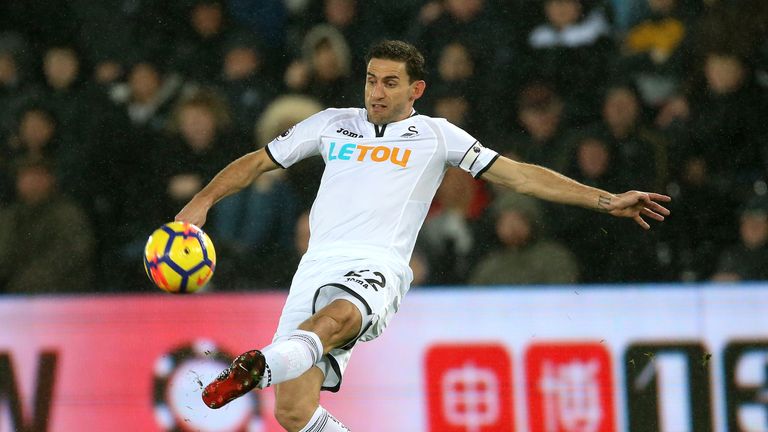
(418, 89)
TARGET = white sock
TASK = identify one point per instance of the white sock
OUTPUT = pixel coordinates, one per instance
(323, 421)
(290, 357)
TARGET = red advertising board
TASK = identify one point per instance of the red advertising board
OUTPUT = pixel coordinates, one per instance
(569, 387)
(469, 388)
(600, 359)
(120, 363)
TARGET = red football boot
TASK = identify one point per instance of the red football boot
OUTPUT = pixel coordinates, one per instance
(238, 379)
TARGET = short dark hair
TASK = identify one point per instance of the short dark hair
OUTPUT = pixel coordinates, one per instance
(400, 51)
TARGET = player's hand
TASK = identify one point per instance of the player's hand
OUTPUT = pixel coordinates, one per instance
(195, 212)
(636, 205)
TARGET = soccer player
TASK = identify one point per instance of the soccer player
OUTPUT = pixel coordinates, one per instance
(383, 165)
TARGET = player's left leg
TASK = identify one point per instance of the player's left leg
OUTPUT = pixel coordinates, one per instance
(296, 400)
(297, 405)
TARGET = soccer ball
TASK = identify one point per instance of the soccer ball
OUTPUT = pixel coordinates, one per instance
(179, 258)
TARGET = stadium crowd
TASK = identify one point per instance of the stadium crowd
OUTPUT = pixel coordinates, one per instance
(114, 113)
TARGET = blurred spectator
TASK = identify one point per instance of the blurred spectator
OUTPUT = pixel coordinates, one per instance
(654, 52)
(281, 114)
(38, 136)
(257, 224)
(607, 251)
(456, 91)
(455, 63)
(525, 255)
(144, 103)
(244, 83)
(699, 230)
(93, 139)
(419, 265)
(198, 147)
(6, 181)
(641, 152)
(199, 54)
(449, 235)
(453, 103)
(148, 94)
(593, 162)
(109, 29)
(247, 271)
(265, 18)
(301, 235)
(34, 136)
(300, 246)
(65, 91)
(736, 26)
(165, 171)
(572, 48)
(85, 121)
(323, 71)
(14, 80)
(541, 115)
(345, 16)
(6, 184)
(701, 79)
(754, 20)
(723, 123)
(361, 22)
(442, 22)
(42, 22)
(746, 261)
(628, 13)
(46, 244)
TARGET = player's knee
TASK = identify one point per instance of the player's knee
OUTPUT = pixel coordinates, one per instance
(293, 416)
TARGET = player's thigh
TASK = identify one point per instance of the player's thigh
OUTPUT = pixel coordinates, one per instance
(300, 395)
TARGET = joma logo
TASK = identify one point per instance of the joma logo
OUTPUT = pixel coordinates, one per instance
(349, 133)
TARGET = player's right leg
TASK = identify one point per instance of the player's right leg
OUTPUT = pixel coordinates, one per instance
(244, 375)
(288, 357)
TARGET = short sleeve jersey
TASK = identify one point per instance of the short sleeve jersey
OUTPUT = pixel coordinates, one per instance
(378, 181)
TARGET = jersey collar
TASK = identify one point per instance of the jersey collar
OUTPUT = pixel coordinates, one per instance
(380, 129)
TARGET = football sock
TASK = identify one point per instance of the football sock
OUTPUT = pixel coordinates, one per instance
(323, 421)
(289, 357)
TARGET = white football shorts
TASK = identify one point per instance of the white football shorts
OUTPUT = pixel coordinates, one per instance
(375, 288)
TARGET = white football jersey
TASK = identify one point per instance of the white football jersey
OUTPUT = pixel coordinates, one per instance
(378, 181)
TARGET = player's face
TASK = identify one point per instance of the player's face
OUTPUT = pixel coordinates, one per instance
(389, 94)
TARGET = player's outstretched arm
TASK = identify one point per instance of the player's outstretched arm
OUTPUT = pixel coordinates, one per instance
(235, 176)
(549, 185)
